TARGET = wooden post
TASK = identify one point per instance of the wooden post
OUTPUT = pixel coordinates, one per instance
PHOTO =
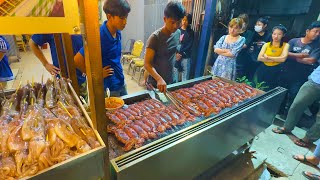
(59, 50)
(91, 36)
(68, 52)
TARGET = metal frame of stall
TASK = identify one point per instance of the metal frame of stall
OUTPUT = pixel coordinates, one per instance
(62, 27)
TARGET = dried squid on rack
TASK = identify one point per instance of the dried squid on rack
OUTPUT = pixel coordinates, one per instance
(40, 126)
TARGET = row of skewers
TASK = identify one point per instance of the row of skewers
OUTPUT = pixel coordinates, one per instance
(40, 125)
(211, 96)
(143, 121)
(148, 119)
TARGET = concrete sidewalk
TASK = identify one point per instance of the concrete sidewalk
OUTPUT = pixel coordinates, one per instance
(278, 150)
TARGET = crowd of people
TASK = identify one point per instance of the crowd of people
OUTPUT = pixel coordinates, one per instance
(264, 57)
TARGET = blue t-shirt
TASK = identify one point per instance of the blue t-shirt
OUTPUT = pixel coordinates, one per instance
(5, 70)
(315, 75)
(77, 44)
(111, 54)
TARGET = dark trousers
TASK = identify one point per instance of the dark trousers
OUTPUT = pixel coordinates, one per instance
(269, 74)
(246, 66)
(293, 77)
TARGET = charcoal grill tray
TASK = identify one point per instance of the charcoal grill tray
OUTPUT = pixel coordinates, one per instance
(115, 148)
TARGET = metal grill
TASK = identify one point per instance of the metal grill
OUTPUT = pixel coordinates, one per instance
(203, 144)
(204, 125)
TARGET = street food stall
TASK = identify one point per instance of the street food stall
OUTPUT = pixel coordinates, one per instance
(46, 133)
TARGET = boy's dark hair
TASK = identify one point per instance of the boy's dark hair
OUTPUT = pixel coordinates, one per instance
(174, 10)
(264, 20)
(315, 24)
(119, 8)
(189, 18)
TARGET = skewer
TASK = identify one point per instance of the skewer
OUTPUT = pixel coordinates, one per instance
(16, 93)
(32, 83)
(18, 87)
(60, 74)
(2, 90)
(83, 131)
(53, 113)
(65, 109)
(68, 125)
(71, 117)
(42, 79)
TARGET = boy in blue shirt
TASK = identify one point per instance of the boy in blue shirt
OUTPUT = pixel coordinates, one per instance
(5, 70)
(117, 12)
(40, 39)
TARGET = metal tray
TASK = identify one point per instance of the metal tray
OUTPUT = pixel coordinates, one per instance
(115, 148)
(187, 153)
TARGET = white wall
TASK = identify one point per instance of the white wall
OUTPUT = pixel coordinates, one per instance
(103, 15)
(135, 23)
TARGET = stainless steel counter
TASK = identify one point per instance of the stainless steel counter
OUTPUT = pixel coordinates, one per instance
(190, 151)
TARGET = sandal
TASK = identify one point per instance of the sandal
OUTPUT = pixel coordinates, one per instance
(302, 143)
(304, 160)
(280, 130)
(311, 176)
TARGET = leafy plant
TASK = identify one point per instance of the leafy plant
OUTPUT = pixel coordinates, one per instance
(261, 85)
(258, 85)
(245, 80)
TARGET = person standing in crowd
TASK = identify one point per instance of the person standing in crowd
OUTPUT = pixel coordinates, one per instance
(260, 37)
(302, 60)
(244, 56)
(162, 47)
(5, 70)
(228, 47)
(183, 56)
(273, 54)
(307, 95)
(110, 37)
